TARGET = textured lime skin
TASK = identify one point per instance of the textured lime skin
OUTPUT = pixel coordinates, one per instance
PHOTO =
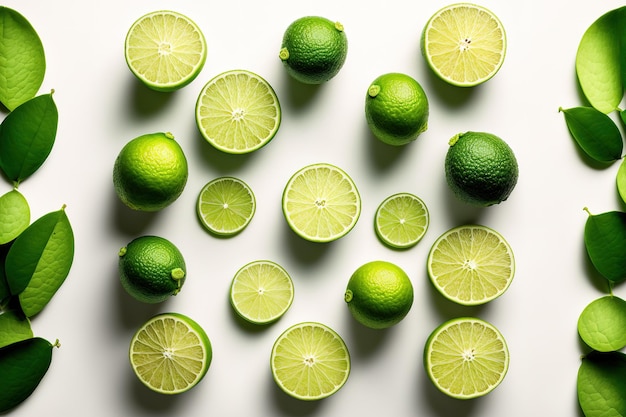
(481, 169)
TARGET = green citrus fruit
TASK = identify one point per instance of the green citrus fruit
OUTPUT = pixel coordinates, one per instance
(396, 108)
(314, 49)
(401, 220)
(151, 269)
(226, 206)
(481, 169)
(150, 172)
(379, 294)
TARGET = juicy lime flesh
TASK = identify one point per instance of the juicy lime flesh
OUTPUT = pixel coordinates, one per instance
(466, 358)
(464, 44)
(226, 205)
(261, 292)
(238, 112)
(165, 50)
(471, 264)
(310, 361)
(321, 203)
(401, 220)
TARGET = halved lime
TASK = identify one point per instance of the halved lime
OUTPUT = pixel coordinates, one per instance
(321, 203)
(310, 361)
(165, 50)
(238, 112)
(466, 357)
(226, 206)
(471, 264)
(464, 44)
(170, 353)
(401, 220)
(261, 292)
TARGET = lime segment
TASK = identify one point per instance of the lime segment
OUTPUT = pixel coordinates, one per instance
(226, 206)
(401, 220)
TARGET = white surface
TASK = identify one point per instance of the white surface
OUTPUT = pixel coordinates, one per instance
(102, 106)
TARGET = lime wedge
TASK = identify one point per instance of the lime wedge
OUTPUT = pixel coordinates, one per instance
(464, 44)
(165, 50)
(226, 206)
(471, 264)
(310, 361)
(321, 203)
(238, 112)
(466, 357)
(170, 353)
(401, 220)
(261, 292)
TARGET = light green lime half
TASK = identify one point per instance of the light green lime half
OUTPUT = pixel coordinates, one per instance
(226, 206)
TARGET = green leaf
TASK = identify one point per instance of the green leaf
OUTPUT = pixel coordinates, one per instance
(23, 63)
(602, 324)
(5, 292)
(620, 180)
(605, 241)
(14, 326)
(27, 135)
(595, 132)
(601, 384)
(600, 63)
(39, 261)
(15, 215)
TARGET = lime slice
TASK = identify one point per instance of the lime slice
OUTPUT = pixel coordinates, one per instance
(471, 264)
(165, 50)
(310, 361)
(321, 203)
(226, 206)
(401, 220)
(238, 112)
(261, 292)
(170, 353)
(464, 44)
(466, 357)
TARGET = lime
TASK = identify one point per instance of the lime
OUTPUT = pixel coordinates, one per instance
(321, 203)
(165, 50)
(261, 292)
(464, 44)
(238, 112)
(396, 109)
(466, 357)
(620, 180)
(170, 353)
(481, 169)
(151, 269)
(602, 324)
(310, 361)
(379, 294)
(226, 206)
(314, 49)
(150, 172)
(471, 264)
(401, 220)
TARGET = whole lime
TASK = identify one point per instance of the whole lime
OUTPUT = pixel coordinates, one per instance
(151, 269)
(379, 294)
(481, 169)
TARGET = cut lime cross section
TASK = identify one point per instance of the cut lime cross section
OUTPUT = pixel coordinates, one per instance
(401, 220)
(238, 112)
(310, 361)
(226, 206)
(321, 203)
(471, 264)
(261, 292)
(170, 353)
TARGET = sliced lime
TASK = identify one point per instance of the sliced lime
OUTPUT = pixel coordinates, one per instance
(401, 220)
(226, 205)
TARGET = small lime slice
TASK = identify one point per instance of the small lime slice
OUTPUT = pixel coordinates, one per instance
(238, 112)
(226, 206)
(602, 324)
(165, 50)
(310, 361)
(321, 203)
(401, 220)
(471, 264)
(466, 357)
(261, 292)
(170, 353)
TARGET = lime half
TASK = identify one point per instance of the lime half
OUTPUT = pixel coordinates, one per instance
(310, 361)
(466, 357)
(401, 220)
(226, 206)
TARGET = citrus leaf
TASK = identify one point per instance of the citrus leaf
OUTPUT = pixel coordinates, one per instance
(27, 135)
(23, 63)
(39, 261)
(605, 241)
(602, 324)
(15, 215)
(5, 292)
(595, 132)
(14, 326)
(601, 384)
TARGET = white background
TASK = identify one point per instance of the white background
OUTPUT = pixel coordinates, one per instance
(102, 106)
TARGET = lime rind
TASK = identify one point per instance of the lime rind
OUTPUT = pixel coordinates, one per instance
(226, 206)
(401, 220)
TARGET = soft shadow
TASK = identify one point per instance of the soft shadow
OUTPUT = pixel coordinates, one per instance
(382, 155)
(459, 211)
(448, 309)
(365, 341)
(450, 95)
(290, 406)
(298, 95)
(145, 101)
(153, 402)
(130, 222)
(221, 161)
(442, 405)
(131, 314)
(304, 251)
